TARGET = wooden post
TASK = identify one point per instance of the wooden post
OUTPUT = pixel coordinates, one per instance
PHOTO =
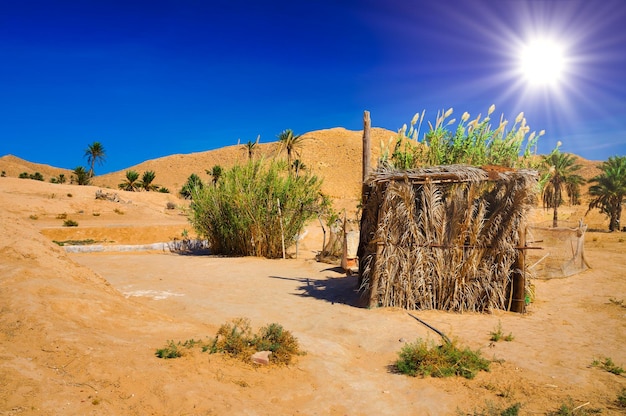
(373, 300)
(367, 151)
(518, 283)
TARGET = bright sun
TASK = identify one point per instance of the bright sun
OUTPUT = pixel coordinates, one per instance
(542, 62)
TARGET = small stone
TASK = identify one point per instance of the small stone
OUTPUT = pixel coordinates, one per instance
(402, 340)
(261, 357)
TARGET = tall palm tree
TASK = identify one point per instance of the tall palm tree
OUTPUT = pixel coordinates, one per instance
(81, 176)
(95, 153)
(251, 146)
(146, 181)
(560, 175)
(132, 182)
(290, 142)
(609, 191)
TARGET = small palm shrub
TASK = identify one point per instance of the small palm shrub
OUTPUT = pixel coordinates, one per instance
(193, 184)
(132, 182)
(424, 358)
(254, 208)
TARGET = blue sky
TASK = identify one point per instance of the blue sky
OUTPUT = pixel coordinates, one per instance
(154, 78)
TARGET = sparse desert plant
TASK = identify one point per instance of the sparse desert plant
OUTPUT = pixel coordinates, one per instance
(69, 195)
(171, 350)
(24, 175)
(424, 358)
(70, 223)
(61, 216)
(621, 398)
(279, 341)
(37, 176)
(235, 338)
(118, 211)
(170, 205)
(568, 408)
(96, 214)
(617, 302)
(74, 242)
(255, 208)
(33, 217)
(492, 409)
(498, 335)
(607, 364)
(3, 174)
(164, 190)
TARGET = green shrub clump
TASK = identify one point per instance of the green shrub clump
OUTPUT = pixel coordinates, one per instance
(254, 208)
(425, 359)
(237, 340)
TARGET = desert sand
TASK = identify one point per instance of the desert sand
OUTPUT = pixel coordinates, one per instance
(79, 330)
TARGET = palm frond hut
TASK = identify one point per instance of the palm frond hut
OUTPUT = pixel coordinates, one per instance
(444, 237)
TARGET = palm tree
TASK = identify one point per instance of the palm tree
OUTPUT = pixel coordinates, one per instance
(250, 147)
(560, 175)
(95, 153)
(81, 176)
(290, 142)
(193, 183)
(216, 172)
(132, 182)
(609, 191)
(147, 179)
(298, 166)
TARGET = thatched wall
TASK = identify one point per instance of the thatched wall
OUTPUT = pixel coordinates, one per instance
(445, 237)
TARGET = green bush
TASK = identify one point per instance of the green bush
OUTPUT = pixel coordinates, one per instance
(608, 365)
(70, 223)
(253, 207)
(236, 339)
(171, 350)
(424, 358)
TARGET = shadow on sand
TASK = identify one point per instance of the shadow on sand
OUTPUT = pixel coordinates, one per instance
(342, 290)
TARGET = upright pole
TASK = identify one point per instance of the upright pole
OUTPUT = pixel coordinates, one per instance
(518, 283)
(367, 151)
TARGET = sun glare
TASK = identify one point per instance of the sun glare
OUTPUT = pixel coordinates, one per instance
(542, 62)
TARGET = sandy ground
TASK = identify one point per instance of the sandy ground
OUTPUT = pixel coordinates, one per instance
(78, 332)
